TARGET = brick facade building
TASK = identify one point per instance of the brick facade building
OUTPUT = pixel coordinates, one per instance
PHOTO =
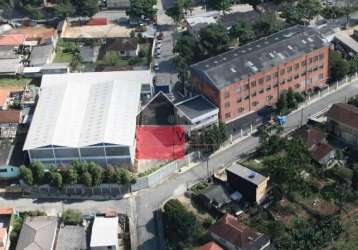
(246, 79)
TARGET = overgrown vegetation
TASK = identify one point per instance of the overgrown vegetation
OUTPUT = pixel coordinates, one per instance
(288, 101)
(88, 174)
(71, 217)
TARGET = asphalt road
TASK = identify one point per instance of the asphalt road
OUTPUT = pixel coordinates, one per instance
(150, 200)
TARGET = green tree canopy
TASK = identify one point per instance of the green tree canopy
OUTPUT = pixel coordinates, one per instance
(214, 39)
(267, 24)
(96, 172)
(242, 31)
(223, 5)
(26, 175)
(142, 9)
(339, 67)
(86, 179)
(38, 171)
(71, 217)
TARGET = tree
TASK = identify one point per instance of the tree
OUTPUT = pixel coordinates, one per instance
(338, 66)
(214, 39)
(291, 100)
(96, 173)
(86, 179)
(110, 174)
(267, 24)
(111, 58)
(71, 217)
(85, 7)
(123, 176)
(142, 9)
(223, 5)
(242, 32)
(70, 175)
(26, 175)
(309, 8)
(176, 12)
(64, 9)
(56, 180)
(38, 172)
(282, 105)
(353, 65)
(212, 138)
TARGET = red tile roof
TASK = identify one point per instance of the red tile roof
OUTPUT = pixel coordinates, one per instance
(6, 210)
(310, 135)
(344, 113)
(320, 151)
(98, 21)
(12, 39)
(210, 246)
(230, 229)
(10, 116)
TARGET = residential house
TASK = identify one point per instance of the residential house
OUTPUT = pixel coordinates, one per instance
(252, 185)
(9, 121)
(126, 47)
(211, 246)
(10, 61)
(246, 79)
(72, 238)
(215, 196)
(233, 235)
(13, 39)
(6, 214)
(38, 233)
(320, 151)
(38, 35)
(104, 233)
(41, 55)
(342, 122)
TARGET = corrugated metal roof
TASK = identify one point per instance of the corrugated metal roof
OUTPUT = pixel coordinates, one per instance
(82, 109)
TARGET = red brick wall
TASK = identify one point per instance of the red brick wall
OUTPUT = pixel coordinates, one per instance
(303, 73)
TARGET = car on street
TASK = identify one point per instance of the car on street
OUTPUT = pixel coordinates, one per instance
(156, 67)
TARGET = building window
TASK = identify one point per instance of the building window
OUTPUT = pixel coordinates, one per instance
(320, 76)
(226, 94)
(275, 85)
(269, 98)
(297, 86)
(315, 59)
(297, 66)
(227, 115)
(247, 86)
(297, 76)
(268, 78)
(303, 74)
(303, 63)
(261, 91)
(321, 56)
(227, 104)
(289, 69)
(261, 81)
(238, 90)
(253, 94)
(321, 66)
(275, 74)
(289, 79)
(282, 82)
(239, 100)
(253, 83)
(247, 97)
(268, 88)
(240, 110)
(310, 60)
(255, 103)
(282, 72)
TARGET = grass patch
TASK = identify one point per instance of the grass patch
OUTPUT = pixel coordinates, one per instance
(62, 57)
(14, 81)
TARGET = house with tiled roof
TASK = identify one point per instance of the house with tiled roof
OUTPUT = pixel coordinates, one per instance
(342, 122)
(211, 246)
(126, 47)
(320, 151)
(233, 235)
(14, 39)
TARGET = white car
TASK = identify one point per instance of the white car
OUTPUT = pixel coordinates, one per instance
(156, 67)
(157, 55)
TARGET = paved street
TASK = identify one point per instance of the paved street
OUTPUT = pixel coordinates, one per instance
(150, 200)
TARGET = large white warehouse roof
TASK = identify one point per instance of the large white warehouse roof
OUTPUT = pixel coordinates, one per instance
(82, 109)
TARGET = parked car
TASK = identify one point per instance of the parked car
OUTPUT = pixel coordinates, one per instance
(156, 67)
(160, 36)
(157, 55)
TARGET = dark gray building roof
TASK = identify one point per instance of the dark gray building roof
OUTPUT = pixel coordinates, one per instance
(37, 233)
(261, 55)
(40, 54)
(72, 238)
(250, 16)
(120, 4)
(196, 106)
(246, 173)
(217, 194)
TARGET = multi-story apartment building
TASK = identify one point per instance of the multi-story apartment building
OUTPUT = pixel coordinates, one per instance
(245, 79)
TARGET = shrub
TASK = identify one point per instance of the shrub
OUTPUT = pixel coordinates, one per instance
(71, 217)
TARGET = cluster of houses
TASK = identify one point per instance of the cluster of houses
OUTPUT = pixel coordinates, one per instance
(48, 233)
